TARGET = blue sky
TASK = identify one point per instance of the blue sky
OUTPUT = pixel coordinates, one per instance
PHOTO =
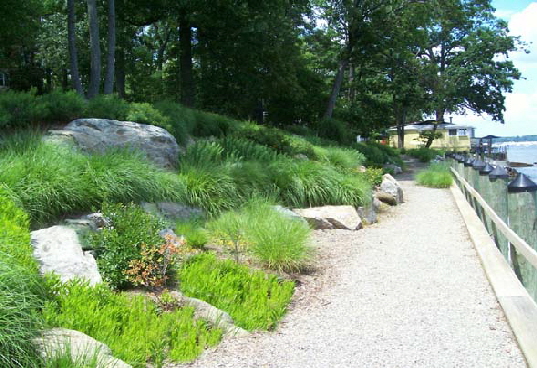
(521, 104)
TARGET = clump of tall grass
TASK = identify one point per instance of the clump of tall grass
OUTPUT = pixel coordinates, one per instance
(437, 175)
(253, 299)
(20, 300)
(344, 158)
(275, 240)
(135, 328)
(52, 180)
(210, 188)
(310, 183)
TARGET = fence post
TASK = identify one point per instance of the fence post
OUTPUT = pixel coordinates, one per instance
(522, 207)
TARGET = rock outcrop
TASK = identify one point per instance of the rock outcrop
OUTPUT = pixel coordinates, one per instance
(390, 186)
(59, 341)
(98, 135)
(58, 250)
(331, 217)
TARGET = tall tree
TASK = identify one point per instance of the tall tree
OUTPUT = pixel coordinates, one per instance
(95, 73)
(73, 53)
(465, 59)
(111, 49)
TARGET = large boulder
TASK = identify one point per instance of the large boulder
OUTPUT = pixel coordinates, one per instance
(331, 217)
(58, 341)
(391, 186)
(58, 250)
(98, 135)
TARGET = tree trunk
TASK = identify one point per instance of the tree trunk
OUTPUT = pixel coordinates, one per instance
(71, 40)
(95, 49)
(336, 87)
(185, 44)
(439, 120)
(111, 41)
(120, 73)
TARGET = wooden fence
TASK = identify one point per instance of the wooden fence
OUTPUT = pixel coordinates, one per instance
(509, 217)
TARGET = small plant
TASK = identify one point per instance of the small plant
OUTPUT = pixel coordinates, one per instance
(152, 269)
(122, 243)
(437, 175)
(229, 230)
(253, 299)
(192, 231)
(373, 175)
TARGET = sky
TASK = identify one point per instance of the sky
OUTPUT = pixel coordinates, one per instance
(521, 105)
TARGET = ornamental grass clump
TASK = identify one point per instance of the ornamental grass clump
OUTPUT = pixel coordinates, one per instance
(437, 175)
(52, 180)
(136, 329)
(255, 300)
(277, 241)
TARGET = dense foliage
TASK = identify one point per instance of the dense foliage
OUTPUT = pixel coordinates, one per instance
(336, 67)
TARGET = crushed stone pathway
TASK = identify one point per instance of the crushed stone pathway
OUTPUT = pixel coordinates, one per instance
(406, 292)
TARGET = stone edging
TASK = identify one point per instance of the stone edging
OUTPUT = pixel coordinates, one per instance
(518, 306)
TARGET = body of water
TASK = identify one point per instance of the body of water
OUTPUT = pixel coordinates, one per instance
(524, 152)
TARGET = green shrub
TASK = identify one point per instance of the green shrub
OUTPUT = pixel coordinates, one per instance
(378, 154)
(180, 120)
(136, 330)
(62, 106)
(437, 175)
(424, 154)
(335, 130)
(253, 299)
(373, 175)
(145, 113)
(121, 242)
(211, 125)
(243, 149)
(20, 109)
(107, 107)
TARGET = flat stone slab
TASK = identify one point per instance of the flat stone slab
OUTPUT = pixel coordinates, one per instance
(331, 217)
(57, 341)
(58, 250)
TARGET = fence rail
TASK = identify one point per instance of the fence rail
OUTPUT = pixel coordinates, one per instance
(510, 217)
(520, 244)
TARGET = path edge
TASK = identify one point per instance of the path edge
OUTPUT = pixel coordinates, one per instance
(518, 306)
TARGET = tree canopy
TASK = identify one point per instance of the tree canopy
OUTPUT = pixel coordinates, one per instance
(368, 63)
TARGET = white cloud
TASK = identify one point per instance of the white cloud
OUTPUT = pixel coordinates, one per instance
(521, 105)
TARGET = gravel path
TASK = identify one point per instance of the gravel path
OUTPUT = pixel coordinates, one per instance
(407, 292)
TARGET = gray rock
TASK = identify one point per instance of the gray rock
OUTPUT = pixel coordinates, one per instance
(287, 212)
(58, 341)
(394, 168)
(98, 135)
(331, 217)
(391, 186)
(212, 314)
(386, 198)
(58, 250)
(369, 213)
(172, 211)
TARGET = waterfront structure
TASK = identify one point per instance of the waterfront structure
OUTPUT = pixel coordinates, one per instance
(454, 137)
